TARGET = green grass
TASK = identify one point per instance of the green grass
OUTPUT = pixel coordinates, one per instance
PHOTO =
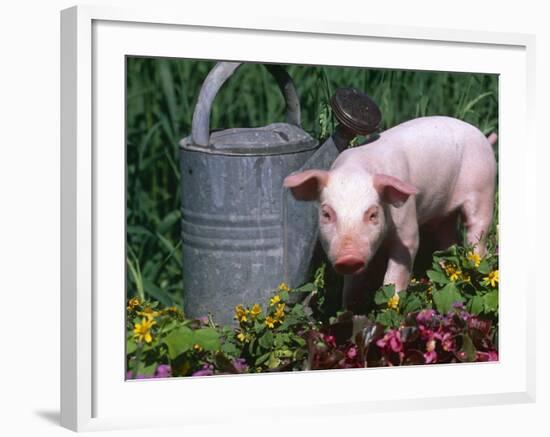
(161, 95)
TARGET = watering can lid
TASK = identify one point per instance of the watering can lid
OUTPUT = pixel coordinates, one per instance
(273, 139)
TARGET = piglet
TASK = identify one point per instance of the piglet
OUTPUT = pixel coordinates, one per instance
(425, 171)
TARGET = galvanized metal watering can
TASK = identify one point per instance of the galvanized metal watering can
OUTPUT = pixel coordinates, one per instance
(242, 234)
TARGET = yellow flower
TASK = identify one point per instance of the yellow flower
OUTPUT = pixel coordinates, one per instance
(255, 311)
(241, 313)
(474, 258)
(274, 300)
(452, 272)
(280, 311)
(270, 322)
(170, 310)
(283, 287)
(393, 302)
(142, 331)
(492, 278)
(149, 313)
(132, 303)
(242, 337)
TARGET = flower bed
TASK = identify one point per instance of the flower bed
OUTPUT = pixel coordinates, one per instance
(449, 316)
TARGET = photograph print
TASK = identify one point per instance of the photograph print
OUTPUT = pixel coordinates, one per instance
(305, 217)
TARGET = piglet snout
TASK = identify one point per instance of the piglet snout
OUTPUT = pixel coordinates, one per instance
(349, 265)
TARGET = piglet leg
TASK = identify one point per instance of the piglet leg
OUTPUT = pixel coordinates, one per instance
(402, 248)
(478, 213)
(400, 263)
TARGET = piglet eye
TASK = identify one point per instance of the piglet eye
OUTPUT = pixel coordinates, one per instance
(327, 214)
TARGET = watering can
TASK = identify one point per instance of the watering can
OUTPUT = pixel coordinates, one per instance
(242, 233)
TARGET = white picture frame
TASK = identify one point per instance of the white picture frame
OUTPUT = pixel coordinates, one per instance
(94, 41)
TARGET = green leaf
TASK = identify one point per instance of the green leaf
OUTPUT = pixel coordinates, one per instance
(168, 326)
(273, 361)
(138, 230)
(468, 348)
(476, 305)
(168, 221)
(284, 353)
(471, 103)
(389, 318)
(156, 292)
(298, 340)
(490, 301)
(409, 303)
(208, 339)
(180, 340)
(230, 349)
(280, 340)
(262, 358)
(306, 287)
(444, 298)
(266, 340)
(384, 294)
(484, 267)
(252, 346)
(319, 281)
(130, 346)
(148, 370)
(437, 277)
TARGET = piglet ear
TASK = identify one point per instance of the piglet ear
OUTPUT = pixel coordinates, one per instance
(393, 190)
(307, 184)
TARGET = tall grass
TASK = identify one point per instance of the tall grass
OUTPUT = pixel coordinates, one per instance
(161, 95)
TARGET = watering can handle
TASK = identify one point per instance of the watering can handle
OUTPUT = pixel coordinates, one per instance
(214, 81)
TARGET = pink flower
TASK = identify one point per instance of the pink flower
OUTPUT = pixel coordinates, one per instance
(446, 340)
(487, 356)
(240, 365)
(391, 341)
(351, 353)
(163, 371)
(426, 333)
(425, 316)
(330, 340)
(207, 370)
(430, 357)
